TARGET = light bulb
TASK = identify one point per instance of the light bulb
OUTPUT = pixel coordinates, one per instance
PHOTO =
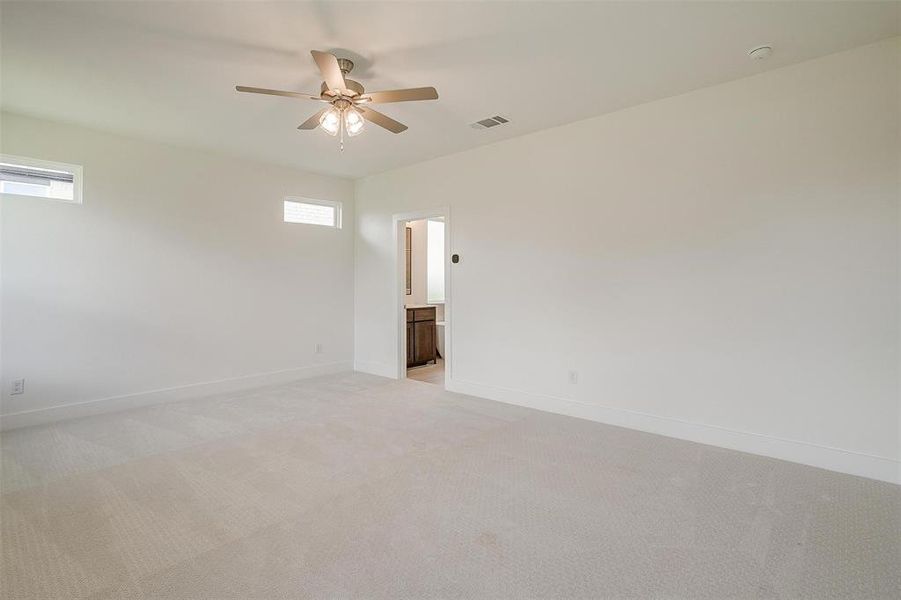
(353, 122)
(330, 121)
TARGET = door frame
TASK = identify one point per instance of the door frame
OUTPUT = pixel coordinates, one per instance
(399, 221)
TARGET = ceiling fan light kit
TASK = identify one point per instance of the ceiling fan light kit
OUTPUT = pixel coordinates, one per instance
(348, 100)
(342, 118)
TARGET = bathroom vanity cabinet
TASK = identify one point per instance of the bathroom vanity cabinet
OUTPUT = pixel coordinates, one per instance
(422, 337)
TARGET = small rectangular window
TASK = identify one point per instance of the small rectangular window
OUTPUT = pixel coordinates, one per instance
(313, 212)
(20, 176)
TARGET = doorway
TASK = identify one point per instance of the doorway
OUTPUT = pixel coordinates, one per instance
(423, 291)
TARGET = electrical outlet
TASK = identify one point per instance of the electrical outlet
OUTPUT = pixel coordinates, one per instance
(18, 387)
(574, 377)
(318, 348)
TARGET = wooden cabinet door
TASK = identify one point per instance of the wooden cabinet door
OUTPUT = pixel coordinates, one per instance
(411, 345)
(423, 341)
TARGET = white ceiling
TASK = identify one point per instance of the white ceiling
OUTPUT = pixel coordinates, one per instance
(167, 71)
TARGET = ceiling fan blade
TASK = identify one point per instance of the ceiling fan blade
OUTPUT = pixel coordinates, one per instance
(312, 122)
(331, 72)
(256, 90)
(408, 95)
(381, 120)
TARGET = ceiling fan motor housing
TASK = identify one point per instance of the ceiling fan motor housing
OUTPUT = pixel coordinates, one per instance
(354, 87)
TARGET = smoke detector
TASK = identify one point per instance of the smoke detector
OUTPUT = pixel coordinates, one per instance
(760, 52)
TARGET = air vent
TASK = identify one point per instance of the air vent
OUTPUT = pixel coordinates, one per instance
(489, 122)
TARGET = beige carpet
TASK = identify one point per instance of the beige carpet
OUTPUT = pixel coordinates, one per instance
(428, 373)
(357, 486)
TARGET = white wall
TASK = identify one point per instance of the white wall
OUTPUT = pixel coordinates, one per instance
(176, 270)
(720, 266)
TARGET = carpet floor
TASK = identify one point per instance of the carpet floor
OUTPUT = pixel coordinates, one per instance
(429, 373)
(354, 486)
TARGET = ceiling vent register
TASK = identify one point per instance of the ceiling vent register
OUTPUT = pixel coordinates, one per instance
(489, 122)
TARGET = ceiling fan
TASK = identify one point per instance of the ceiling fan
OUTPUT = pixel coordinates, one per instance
(348, 101)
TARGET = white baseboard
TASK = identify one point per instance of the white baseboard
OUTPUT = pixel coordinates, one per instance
(824, 457)
(75, 410)
(376, 368)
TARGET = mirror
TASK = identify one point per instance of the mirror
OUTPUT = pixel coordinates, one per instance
(408, 257)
